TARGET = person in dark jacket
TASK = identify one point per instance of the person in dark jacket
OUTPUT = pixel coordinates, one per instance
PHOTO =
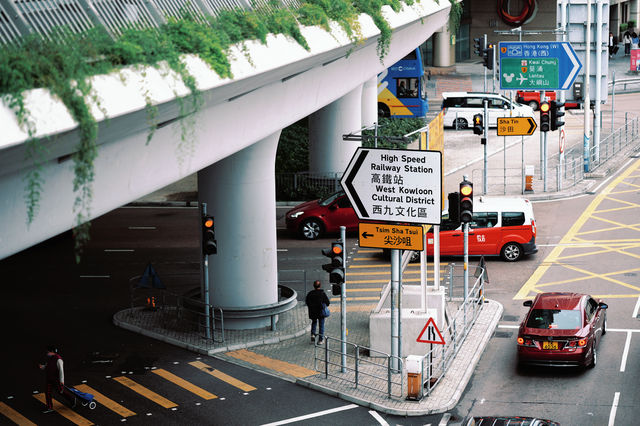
(54, 377)
(315, 298)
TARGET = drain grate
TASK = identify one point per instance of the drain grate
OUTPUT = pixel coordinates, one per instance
(511, 318)
(630, 274)
(503, 334)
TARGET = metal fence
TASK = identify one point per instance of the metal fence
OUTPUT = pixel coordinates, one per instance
(306, 185)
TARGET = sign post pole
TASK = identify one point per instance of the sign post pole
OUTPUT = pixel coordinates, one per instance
(395, 280)
(343, 302)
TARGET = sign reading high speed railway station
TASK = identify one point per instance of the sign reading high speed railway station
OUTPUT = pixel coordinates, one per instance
(395, 185)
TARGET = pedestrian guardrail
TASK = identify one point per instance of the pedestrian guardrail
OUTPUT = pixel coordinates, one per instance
(306, 185)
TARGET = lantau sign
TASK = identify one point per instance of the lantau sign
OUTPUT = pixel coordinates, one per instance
(395, 185)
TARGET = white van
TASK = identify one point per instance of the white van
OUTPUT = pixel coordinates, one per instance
(460, 107)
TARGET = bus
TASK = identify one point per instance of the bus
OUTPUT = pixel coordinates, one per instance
(402, 88)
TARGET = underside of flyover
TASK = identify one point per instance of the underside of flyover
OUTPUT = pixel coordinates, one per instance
(231, 142)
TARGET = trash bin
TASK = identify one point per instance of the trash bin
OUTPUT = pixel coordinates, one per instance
(414, 377)
(528, 173)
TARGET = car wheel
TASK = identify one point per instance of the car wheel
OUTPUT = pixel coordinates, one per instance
(415, 256)
(460, 123)
(511, 252)
(594, 356)
(310, 229)
(383, 110)
(534, 105)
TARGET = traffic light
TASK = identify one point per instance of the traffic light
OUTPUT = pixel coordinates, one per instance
(477, 46)
(478, 127)
(544, 116)
(336, 289)
(336, 267)
(209, 243)
(487, 57)
(556, 115)
(466, 201)
(454, 207)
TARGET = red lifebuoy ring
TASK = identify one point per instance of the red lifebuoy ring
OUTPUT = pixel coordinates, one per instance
(516, 21)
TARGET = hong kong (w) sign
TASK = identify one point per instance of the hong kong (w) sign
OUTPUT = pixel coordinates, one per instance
(537, 65)
(395, 185)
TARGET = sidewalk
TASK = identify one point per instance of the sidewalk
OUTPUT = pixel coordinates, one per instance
(287, 352)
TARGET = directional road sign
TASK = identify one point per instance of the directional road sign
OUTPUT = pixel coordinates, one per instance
(516, 126)
(395, 185)
(384, 235)
(537, 65)
(430, 334)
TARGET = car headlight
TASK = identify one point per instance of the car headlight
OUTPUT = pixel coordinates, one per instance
(296, 214)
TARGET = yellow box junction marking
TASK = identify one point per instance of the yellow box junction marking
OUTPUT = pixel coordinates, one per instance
(147, 393)
(184, 384)
(64, 411)
(272, 364)
(383, 235)
(106, 401)
(222, 376)
(571, 238)
(14, 416)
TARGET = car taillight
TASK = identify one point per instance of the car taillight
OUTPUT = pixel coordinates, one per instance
(520, 340)
(525, 341)
(577, 343)
(533, 227)
(582, 342)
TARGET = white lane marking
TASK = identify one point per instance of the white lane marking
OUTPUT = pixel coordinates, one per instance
(508, 326)
(625, 352)
(312, 415)
(282, 250)
(635, 310)
(142, 228)
(445, 419)
(614, 408)
(378, 418)
(118, 250)
(95, 276)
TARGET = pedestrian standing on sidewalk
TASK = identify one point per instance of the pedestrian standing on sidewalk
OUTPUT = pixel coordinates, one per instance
(634, 40)
(315, 300)
(611, 45)
(626, 39)
(54, 377)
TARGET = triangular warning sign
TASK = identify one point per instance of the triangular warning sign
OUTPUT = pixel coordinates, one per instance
(433, 334)
(150, 278)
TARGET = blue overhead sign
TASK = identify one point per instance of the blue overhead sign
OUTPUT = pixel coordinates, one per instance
(537, 65)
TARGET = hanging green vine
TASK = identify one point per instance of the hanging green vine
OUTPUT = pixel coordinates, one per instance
(64, 67)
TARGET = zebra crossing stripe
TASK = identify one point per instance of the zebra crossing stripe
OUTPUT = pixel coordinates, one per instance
(64, 411)
(147, 393)
(184, 384)
(14, 416)
(222, 376)
(106, 401)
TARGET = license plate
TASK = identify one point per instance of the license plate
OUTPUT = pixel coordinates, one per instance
(550, 345)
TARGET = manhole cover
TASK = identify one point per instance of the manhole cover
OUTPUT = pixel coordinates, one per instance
(503, 334)
(630, 274)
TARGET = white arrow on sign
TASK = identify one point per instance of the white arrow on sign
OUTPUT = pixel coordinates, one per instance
(395, 185)
(574, 62)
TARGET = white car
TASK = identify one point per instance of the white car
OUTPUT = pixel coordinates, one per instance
(460, 107)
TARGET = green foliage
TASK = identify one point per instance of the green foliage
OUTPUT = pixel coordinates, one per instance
(454, 16)
(293, 148)
(392, 128)
(65, 65)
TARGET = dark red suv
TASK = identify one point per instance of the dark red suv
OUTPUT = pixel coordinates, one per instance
(562, 329)
(312, 219)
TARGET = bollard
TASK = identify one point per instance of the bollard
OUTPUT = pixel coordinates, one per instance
(528, 171)
(414, 377)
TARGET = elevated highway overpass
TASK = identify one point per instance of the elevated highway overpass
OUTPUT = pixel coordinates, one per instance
(230, 141)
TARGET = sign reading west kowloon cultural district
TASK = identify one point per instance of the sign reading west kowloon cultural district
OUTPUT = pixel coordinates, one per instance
(395, 185)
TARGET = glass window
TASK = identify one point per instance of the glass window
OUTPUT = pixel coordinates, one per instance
(484, 220)
(344, 202)
(591, 308)
(496, 103)
(423, 88)
(560, 319)
(407, 87)
(512, 218)
(331, 198)
(453, 102)
(474, 103)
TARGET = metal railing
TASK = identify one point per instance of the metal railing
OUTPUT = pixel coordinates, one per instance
(306, 185)
(365, 367)
(45, 18)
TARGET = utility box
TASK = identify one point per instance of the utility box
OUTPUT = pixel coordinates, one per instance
(414, 365)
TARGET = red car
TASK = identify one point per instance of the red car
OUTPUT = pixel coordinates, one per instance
(562, 329)
(312, 219)
(532, 99)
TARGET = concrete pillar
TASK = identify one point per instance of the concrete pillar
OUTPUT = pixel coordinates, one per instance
(328, 153)
(442, 56)
(370, 102)
(240, 193)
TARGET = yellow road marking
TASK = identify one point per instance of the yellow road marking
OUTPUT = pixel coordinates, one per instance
(412, 272)
(147, 393)
(184, 384)
(14, 416)
(404, 280)
(272, 364)
(222, 376)
(64, 411)
(532, 282)
(355, 299)
(106, 401)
